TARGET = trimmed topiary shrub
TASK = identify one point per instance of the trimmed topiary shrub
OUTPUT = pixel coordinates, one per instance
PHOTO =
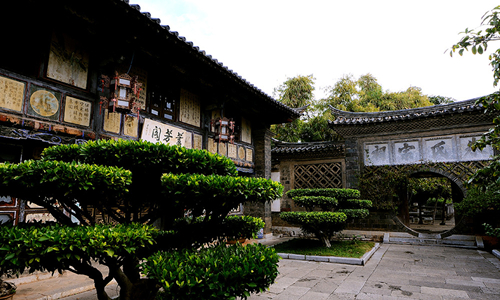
(338, 205)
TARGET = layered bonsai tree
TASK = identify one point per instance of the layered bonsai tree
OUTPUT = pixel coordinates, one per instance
(327, 211)
(130, 186)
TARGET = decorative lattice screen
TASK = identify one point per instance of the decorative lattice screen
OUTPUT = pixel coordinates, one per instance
(326, 175)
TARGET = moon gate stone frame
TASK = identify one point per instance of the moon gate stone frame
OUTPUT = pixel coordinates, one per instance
(437, 138)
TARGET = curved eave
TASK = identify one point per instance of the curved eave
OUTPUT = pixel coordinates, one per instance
(344, 118)
(164, 32)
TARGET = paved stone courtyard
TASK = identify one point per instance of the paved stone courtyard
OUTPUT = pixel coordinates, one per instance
(394, 272)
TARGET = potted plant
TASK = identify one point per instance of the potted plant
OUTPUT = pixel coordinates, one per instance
(7, 290)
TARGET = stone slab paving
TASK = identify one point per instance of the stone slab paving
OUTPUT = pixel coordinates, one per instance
(394, 272)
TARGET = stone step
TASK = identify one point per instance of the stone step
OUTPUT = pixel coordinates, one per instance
(462, 241)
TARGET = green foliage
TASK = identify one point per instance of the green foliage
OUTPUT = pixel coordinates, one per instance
(55, 247)
(310, 202)
(213, 273)
(366, 95)
(437, 100)
(326, 223)
(478, 202)
(235, 227)
(296, 91)
(217, 192)
(143, 155)
(316, 129)
(313, 221)
(323, 224)
(358, 203)
(352, 213)
(334, 193)
(485, 181)
(123, 180)
(495, 232)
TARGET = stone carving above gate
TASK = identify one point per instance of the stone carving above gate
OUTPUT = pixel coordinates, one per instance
(449, 148)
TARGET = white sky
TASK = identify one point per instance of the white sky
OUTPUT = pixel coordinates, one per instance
(400, 42)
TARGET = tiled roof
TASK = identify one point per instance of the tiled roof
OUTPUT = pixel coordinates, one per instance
(363, 118)
(209, 59)
(281, 148)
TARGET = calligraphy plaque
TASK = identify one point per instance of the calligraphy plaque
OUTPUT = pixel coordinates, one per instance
(377, 154)
(438, 149)
(44, 103)
(188, 140)
(77, 111)
(68, 63)
(212, 146)
(198, 141)
(11, 93)
(241, 153)
(131, 126)
(231, 151)
(190, 111)
(246, 131)
(40, 217)
(466, 153)
(249, 155)
(112, 121)
(407, 152)
(157, 132)
(223, 149)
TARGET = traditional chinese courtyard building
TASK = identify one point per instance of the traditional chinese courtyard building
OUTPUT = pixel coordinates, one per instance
(75, 71)
(430, 141)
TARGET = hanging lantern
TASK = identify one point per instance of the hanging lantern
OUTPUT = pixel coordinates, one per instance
(124, 93)
(224, 130)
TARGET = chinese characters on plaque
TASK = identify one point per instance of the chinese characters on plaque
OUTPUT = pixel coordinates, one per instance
(77, 111)
(231, 151)
(197, 141)
(212, 145)
(68, 63)
(11, 94)
(131, 126)
(246, 131)
(112, 121)
(157, 132)
(450, 148)
(189, 107)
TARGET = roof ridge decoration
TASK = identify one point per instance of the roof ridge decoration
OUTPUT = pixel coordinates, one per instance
(216, 63)
(351, 118)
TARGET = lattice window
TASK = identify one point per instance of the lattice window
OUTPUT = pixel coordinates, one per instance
(326, 175)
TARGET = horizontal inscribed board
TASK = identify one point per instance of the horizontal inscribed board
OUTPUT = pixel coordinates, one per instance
(189, 107)
(11, 94)
(77, 111)
(157, 132)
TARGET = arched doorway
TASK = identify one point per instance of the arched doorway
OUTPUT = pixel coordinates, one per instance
(431, 195)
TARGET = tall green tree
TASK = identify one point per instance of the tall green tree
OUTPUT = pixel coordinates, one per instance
(365, 94)
(485, 183)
